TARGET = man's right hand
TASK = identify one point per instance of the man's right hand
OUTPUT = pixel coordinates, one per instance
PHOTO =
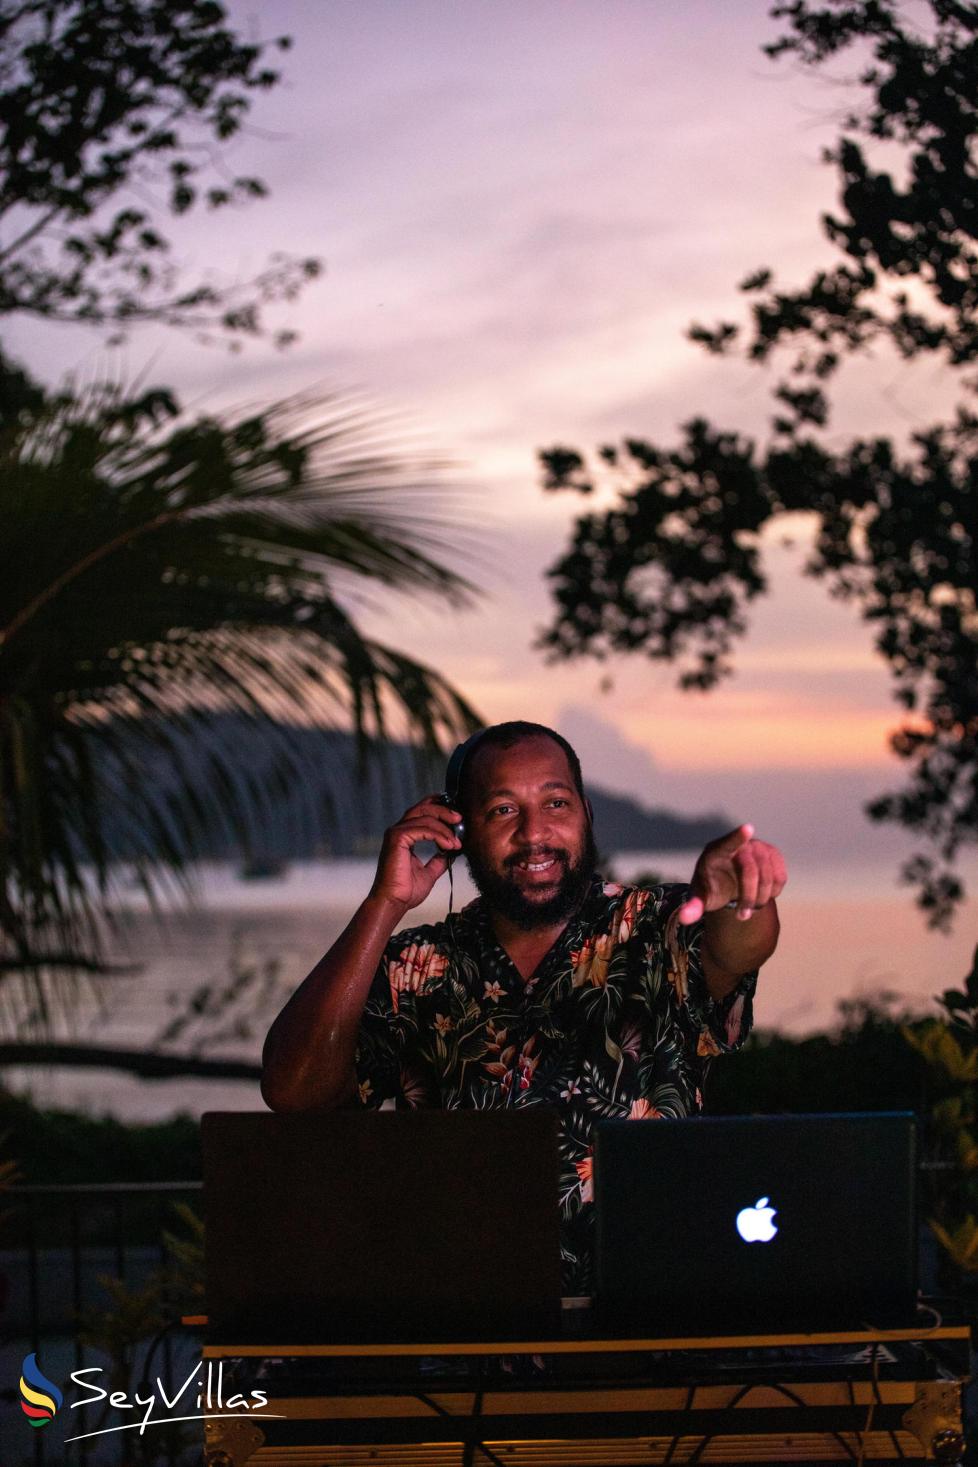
(403, 879)
(310, 1053)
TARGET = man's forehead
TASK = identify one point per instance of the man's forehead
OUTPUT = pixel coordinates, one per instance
(536, 758)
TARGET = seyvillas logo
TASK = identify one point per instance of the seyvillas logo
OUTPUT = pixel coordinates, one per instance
(151, 1408)
(39, 1397)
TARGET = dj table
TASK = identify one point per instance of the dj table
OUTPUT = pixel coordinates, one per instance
(863, 1396)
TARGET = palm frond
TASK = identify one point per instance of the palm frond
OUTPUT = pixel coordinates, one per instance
(158, 572)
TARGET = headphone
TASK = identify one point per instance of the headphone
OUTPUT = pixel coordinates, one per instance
(453, 778)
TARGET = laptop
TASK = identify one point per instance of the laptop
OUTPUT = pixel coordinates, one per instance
(740, 1225)
(380, 1225)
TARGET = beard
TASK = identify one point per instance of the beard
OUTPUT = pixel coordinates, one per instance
(504, 896)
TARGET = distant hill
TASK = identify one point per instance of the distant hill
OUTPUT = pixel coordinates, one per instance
(324, 806)
(622, 824)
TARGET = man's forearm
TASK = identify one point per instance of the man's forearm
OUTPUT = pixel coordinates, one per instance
(730, 948)
(308, 1059)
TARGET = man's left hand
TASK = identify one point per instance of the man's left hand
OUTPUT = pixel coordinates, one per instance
(735, 868)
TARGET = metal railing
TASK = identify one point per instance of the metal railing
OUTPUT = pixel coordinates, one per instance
(56, 1245)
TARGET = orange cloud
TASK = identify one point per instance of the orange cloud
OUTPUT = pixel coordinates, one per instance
(752, 737)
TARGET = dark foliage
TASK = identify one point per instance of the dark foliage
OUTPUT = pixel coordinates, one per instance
(114, 113)
(671, 570)
(65, 1148)
(865, 1064)
(157, 572)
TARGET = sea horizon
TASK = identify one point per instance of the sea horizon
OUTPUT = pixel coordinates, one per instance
(850, 933)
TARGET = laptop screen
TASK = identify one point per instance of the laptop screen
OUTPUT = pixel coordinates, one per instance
(381, 1225)
(740, 1224)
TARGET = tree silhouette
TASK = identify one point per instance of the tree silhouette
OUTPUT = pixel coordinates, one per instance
(158, 572)
(672, 568)
(114, 113)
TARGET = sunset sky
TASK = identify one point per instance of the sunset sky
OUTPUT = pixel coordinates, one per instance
(521, 207)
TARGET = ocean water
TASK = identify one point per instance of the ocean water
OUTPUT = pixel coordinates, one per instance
(210, 979)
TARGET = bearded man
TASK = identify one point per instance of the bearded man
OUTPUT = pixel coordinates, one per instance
(554, 987)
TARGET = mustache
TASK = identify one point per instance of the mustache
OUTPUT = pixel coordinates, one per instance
(543, 855)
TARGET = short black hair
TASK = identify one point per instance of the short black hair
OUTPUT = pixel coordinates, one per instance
(504, 736)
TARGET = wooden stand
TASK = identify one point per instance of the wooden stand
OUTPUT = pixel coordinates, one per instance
(868, 1396)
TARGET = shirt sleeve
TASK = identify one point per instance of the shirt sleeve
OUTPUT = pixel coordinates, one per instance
(712, 1026)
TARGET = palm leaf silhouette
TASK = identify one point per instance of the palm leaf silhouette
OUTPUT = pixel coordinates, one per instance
(157, 572)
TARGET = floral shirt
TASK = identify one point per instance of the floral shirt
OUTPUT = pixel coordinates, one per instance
(616, 1021)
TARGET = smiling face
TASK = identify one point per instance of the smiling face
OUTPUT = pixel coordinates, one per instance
(528, 840)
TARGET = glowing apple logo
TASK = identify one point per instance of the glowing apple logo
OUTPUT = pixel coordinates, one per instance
(754, 1223)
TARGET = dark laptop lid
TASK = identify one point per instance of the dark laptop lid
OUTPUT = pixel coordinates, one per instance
(739, 1224)
(380, 1225)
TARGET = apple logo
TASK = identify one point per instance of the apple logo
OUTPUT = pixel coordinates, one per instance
(754, 1223)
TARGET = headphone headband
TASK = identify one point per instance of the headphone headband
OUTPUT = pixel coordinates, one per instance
(453, 774)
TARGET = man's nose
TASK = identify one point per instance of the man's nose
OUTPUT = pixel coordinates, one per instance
(533, 825)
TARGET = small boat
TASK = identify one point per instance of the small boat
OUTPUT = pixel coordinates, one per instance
(261, 868)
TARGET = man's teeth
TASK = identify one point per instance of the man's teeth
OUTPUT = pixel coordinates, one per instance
(537, 865)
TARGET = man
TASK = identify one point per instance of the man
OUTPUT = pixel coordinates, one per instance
(552, 988)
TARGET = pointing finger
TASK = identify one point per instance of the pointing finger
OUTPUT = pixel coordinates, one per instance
(729, 844)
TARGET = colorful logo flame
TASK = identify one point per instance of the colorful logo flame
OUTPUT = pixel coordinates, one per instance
(39, 1397)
